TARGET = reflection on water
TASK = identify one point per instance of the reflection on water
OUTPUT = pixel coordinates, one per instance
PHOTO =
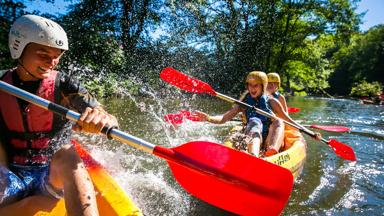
(327, 186)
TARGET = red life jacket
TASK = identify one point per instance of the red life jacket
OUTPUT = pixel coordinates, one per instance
(33, 120)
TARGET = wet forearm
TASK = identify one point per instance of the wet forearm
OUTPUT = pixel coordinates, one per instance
(224, 118)
(215, 119)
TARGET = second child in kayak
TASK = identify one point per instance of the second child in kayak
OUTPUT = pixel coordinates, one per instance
(273, 89)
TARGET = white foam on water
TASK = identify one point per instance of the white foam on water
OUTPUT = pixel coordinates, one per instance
(327, 182)
(324, 183)
(193, 131)
(350, 199)
(150, 189)
(146, 178)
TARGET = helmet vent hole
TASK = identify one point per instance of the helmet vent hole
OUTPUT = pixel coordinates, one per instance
(59, 42)
(15, 48)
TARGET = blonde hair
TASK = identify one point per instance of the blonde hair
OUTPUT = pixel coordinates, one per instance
(258, 77)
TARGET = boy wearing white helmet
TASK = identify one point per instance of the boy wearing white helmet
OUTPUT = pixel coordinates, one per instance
(37, 157)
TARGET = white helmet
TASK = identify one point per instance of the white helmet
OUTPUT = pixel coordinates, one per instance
(36, 29)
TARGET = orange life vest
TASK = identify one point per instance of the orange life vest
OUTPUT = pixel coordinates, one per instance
(29, 129)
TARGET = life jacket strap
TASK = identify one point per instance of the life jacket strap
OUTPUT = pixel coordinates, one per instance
(34, 160)
(31, 157)
(30, 135)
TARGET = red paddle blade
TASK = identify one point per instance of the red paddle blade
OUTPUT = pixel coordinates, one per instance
(229, 179)
(342, 150)
(180, 116)
(293, 109)
(174, 118)
(185, 82)
(189, 115)
(331, 128)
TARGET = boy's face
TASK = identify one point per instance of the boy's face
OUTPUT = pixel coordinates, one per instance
(255, 89)
(272, 87)
(40, 60)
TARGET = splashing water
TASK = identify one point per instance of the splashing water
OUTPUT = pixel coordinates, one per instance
(327, 186)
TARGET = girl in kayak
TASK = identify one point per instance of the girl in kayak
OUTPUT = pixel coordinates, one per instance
(261, 129)
(36, 157)
(273, 89)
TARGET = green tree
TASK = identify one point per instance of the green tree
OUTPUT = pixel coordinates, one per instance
(365, 89)
(309, 70)
(92, 29)
(9, 12)
(240, 36)
(363, 59)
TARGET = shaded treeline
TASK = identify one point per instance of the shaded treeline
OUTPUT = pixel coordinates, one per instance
(315, 45)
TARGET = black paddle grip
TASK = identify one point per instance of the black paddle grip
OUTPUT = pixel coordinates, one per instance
(58, 109)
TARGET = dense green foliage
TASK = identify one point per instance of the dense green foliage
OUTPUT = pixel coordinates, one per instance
(314, 45)
(364, 88)
(363, 59)
(9, 10)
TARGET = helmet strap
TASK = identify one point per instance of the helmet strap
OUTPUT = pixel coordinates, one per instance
(26, 71)
(62, 53)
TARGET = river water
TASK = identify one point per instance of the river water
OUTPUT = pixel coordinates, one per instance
(328, 185)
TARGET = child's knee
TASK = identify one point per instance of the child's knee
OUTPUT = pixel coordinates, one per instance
(254, 127)
(278, 123)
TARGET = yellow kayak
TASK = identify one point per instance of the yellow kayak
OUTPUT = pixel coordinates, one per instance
(111, 198)
(294, 154)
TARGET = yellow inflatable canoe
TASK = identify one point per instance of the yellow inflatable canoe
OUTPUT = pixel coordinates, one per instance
(293, 157)
(111, 198)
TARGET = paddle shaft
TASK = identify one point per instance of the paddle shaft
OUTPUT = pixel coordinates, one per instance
(262, 112)
(179, 117)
